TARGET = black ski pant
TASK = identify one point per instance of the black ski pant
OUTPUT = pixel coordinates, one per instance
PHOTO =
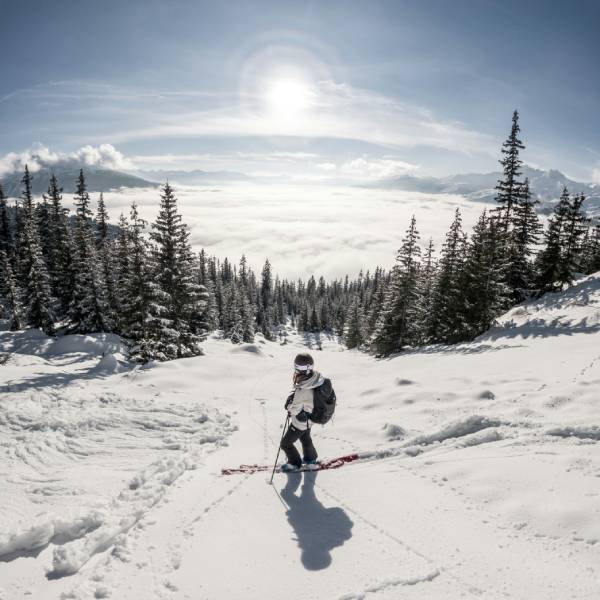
(291, 436)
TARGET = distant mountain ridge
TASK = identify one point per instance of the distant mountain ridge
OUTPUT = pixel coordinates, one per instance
(97, 180)
(194, 177)
(545, 185)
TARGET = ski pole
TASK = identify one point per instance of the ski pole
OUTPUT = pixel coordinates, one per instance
(279, 448)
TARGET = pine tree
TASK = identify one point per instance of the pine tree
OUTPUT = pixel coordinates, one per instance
(9, 289)
(510, 188)
(136, 304)
(39, 310)
(6, 239)
(121, 269)
(42, 215)
(101, 222)
(89, 309)
(447, 324)
(178, 325)
(426, 286)
(484, 290)
(590, 262)
(523, 239)
(354, 335)
(397, 326)
(59, 260)
(575, 227)
(22, 215)
(38, 295)
(103, 250)
(549, 261)
(264, 316)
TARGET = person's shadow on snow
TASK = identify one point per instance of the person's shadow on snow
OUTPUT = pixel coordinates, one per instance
(318, 529)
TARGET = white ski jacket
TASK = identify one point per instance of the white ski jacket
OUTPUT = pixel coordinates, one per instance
(303, 399)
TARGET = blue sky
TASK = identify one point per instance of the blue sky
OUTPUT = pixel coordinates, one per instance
(303, 89)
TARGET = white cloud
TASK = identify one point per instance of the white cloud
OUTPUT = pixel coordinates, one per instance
(326, 166)
(379, 168)
(39, 156)
(596, 176)
(339, 111)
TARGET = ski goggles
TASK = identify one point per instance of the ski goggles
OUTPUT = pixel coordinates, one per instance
(303, 368)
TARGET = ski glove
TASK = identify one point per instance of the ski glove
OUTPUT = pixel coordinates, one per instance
(303, 416)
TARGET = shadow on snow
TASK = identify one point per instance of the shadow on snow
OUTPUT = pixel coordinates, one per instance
(318, 529)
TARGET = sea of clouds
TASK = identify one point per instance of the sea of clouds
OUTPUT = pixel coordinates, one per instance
(303, 229)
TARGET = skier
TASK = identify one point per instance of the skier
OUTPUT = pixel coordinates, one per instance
(299, 405)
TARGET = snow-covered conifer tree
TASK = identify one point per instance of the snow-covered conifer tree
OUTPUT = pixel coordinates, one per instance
(60, 259)
(446, 323)
(549, 261)
(510, 188)
(6, 238)
(576, 224)
(398, 323)
(484, 289)
(9, 290)
(182, 300)
(523, 239)
(89, 309)
(354, 334)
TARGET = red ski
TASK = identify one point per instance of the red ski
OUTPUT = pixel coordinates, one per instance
(332, 463)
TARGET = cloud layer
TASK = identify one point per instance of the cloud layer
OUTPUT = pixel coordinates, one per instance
(304, 230)
(39, 156)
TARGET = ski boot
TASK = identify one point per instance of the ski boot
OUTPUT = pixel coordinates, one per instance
(289, 468)
(311, 464)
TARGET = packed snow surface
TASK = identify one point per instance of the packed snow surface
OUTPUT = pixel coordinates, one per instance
(478, 476)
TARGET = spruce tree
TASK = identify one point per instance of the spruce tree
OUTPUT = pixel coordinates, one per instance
(576, 224)
(510, 188)
(264, 316)
(549, 265)
(89, 309)
(38, 295)
(9, 290)
(6, 238)
(103, 249)
(485, 292)
(398, 324)
(426, 285)
(523, 239)
(447, 324)
(178, 324)
(354, 335)
(140, 290)
(121, 271)
(60, 255)
(591, 250)
(23, 213)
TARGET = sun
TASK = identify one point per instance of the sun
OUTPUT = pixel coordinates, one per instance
(288, 98)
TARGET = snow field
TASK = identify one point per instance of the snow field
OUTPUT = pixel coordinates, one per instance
(59, 424)
(479, 477)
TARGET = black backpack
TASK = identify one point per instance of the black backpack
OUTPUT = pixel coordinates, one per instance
(323, 403)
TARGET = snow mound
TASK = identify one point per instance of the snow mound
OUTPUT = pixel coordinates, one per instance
(146, 490)
(35, 342)
(574, 310)
(393, 432)
(54, 530)
(458, 429)
(109, 363)
(584, 432)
